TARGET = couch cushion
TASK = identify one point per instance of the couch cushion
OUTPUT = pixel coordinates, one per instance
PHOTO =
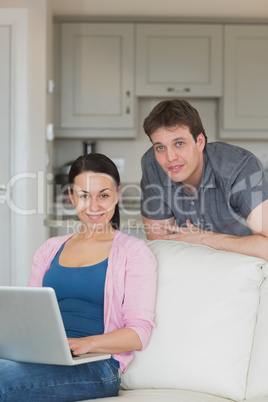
(205, 314)
(258, 371)
(169, 395)
(164, 395)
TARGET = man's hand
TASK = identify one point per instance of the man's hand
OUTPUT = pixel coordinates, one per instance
(190, 233)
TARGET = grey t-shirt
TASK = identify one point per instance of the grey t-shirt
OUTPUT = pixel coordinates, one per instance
(233, 184)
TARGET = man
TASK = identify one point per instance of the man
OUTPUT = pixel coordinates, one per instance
(213, 194)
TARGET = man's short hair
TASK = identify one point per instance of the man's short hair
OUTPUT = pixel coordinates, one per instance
(174, 113)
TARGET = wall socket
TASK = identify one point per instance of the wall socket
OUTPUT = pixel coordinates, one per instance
(120, 164)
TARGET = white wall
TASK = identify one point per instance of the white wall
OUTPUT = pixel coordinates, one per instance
(36, 100)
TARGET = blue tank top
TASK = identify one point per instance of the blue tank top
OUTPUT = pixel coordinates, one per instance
(80, 294)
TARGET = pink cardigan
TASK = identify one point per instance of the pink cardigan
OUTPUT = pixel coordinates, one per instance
(130, 287)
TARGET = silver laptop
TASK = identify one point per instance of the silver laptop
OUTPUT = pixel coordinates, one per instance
(32, 330)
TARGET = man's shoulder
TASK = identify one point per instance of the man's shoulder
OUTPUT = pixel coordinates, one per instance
(148, 158)
(228, 160)
(151, 167)
(226, 150)
(151, 170)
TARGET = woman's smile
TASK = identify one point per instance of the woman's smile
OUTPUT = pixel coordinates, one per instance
(94, 196)
(95, 218)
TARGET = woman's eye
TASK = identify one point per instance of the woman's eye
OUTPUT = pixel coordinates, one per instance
(104, 196)
(84, 196)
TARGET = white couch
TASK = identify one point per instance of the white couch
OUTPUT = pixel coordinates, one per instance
(211, 339)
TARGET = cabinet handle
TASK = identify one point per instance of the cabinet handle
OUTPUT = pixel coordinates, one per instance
(178, 89)
(128, 102)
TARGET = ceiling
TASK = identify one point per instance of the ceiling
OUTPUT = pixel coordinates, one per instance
(253, 9)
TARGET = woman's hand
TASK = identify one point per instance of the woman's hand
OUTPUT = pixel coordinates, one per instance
(119, 341)
(80, 346)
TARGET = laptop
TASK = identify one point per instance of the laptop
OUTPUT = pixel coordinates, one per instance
(32, 330)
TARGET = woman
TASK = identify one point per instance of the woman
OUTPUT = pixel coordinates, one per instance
(105, 283)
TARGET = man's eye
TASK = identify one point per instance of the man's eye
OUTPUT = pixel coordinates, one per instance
(159, 148)
(179, 143)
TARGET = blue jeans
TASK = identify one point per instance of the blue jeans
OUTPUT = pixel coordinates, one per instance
(26, 382)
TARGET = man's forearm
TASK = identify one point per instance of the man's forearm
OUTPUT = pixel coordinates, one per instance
(253, 245)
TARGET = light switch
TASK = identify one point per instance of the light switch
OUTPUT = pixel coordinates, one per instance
(50, 86)
(50, 132)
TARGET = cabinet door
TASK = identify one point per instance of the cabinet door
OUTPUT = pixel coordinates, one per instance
(246, 78)
(96, 76)
(179, 60)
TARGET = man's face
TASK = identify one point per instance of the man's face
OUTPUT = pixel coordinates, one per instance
(179, 155)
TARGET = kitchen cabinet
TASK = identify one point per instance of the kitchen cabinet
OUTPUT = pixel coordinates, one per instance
(245, 111)
(96, 96)
(182, 60)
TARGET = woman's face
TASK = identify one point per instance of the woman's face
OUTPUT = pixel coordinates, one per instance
(94, 197)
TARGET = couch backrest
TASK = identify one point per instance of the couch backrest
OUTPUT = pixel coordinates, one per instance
(206, 312)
